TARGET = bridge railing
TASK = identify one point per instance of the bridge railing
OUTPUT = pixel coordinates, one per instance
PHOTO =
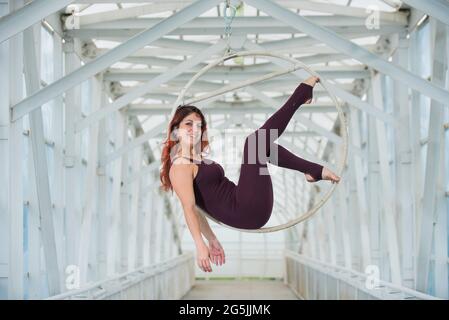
(167, 280)
(317, 280)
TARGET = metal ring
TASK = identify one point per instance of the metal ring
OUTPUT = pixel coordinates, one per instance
(343, 129)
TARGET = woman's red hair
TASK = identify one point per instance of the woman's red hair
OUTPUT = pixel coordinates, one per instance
(171, 141)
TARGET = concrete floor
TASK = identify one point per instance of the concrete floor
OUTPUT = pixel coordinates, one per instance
(240, 290)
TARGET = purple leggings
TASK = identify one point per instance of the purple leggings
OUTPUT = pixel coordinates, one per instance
(254, 192)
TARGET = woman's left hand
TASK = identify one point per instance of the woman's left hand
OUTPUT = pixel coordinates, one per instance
(216, 252)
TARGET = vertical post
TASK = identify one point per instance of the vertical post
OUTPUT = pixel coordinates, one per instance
(34, 276)
(72, 159)
(362, 203)
(32, 79)
(155, 217)
(4, 161)
(389, 222)
(146, 247)
(15, 137)
(402, 142)
(343, 223)
(428, 211)
(124, 203)
(90, 187)
(442, 202)
(114, 225)
(58, 157)
(415, 137)
(134, 214)
(103, 194)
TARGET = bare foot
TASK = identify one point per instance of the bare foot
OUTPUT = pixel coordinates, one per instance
(326, 174)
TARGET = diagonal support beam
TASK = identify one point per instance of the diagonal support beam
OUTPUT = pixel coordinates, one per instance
(145, 88)
(123, 50)
(345, 46)
(438, 9)
(27, 16)
(336, 89)
(32, 79)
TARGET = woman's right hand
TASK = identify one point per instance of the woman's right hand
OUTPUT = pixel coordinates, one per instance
(203, 257)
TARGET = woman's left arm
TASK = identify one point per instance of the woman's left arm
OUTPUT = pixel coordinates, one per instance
(206, 229)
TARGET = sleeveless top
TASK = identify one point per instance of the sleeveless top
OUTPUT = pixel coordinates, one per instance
(214, 192)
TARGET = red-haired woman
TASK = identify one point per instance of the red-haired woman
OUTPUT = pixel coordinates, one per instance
(202, 182)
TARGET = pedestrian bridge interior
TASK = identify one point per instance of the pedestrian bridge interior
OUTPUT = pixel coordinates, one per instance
(87, 90)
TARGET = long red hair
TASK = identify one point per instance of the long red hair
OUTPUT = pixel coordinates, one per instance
(171, 141)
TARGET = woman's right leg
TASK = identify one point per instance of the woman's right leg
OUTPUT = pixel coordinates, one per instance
(280, 119)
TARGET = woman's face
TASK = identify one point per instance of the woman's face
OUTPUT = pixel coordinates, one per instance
(189, 131)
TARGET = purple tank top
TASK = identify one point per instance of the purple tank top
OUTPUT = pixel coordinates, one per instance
(214, 192)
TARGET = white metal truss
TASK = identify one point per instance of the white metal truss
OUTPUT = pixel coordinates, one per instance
(87, 87)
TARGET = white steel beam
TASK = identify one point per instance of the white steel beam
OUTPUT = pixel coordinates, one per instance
(72, 161)
(341, 10)
(144, 38)
(34, 236)
(5, 145)
(295, 4)
(58, 156)
(114, 216)
(32, 80)
(13, 90)
(165, 62)
(389, 211)
(145, 88)
(134, 217)
(90, 188)
(103, 199)
(362, 202)
(218, 107)
(130, 12)
(438, 9)
(238, 22)
(338, 90)
(435, 134)
(357, 52)
(442, 204)
(28, 15)
(202, 86)
(147, 247)
(403, 165)
(123, 224)
(145, 75)
(124, 34)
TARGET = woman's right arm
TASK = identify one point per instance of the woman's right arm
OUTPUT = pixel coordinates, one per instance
(181, 178)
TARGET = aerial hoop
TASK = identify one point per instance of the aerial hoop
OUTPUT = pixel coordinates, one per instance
(296, 65)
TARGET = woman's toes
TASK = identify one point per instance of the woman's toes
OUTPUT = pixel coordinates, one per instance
(329, 175)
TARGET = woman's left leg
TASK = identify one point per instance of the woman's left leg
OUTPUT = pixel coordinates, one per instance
(254, 190)
(285, 159)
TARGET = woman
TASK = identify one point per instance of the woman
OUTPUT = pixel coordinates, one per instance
(202, 182)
